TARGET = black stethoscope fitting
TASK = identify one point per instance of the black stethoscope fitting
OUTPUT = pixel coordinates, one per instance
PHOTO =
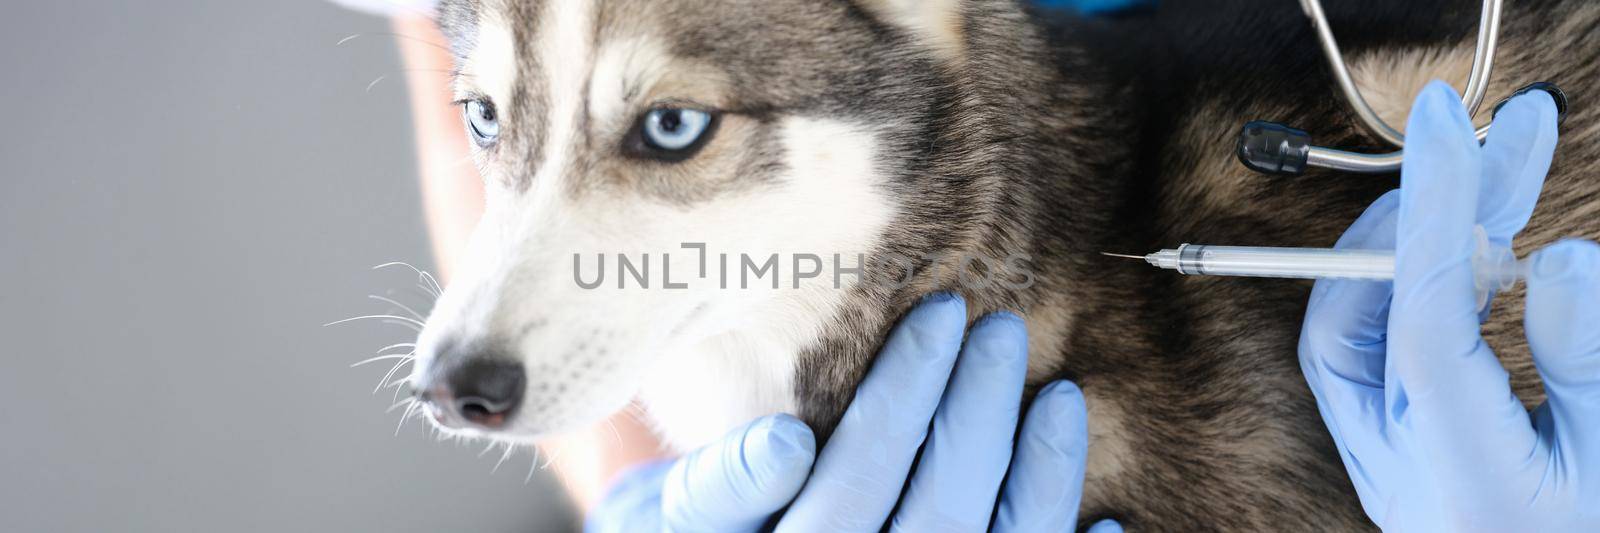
(1274, 148)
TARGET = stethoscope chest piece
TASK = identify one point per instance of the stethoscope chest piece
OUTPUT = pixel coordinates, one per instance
(1273, 148)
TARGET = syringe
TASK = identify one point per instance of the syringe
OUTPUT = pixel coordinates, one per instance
(1495, 268)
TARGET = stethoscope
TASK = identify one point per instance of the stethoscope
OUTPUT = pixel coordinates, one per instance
(1274, 148)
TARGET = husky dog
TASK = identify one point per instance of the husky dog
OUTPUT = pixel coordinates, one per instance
(634, 149)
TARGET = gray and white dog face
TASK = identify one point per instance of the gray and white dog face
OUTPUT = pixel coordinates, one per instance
(628, 128)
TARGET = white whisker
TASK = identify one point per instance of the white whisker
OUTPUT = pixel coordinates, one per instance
(421, 275)
(638, 414)
(416, 11)
(396, 345)
(406, 416)
(615, 436)
(396, 385)
(554, 456)
(398, 404)
(437, 288)
(391, 372)
(384, 358)
(402, 306)
(503, 456)
(532, 467)
(408, 325)
(402, 319)
(427, 290)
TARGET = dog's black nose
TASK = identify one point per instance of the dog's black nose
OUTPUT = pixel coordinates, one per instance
(485, 390)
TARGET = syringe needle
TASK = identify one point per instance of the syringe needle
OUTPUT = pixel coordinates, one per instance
(1124, 256)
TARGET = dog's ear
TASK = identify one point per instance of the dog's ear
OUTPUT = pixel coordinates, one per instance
(937, 24)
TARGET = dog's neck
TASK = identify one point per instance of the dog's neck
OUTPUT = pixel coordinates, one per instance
(1030, 158)
(1056, 149)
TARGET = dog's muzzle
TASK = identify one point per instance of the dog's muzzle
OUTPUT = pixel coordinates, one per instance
(482, 390)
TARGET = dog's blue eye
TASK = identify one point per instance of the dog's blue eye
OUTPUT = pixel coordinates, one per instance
(675, 130)
(482, 122)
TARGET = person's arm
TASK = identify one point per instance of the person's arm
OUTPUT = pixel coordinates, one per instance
(452, 195)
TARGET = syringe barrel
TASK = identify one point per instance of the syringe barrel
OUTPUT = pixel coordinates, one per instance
(1293, 263)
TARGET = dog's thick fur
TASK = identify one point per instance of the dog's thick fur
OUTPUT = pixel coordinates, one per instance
(999, 130)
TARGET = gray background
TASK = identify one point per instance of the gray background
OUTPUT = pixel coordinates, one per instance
(189, 189)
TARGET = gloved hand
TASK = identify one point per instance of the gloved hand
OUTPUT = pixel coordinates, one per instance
(1420, 408)
(735, 484)
(972, 402)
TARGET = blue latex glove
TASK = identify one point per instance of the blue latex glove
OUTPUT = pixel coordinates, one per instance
(735, 484)
(1420, 408)
(1096, 7)
(961, 412)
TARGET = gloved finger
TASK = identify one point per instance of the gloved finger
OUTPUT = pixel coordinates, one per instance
(965, 459)
(1435, 303)
(1444, 385)
(739, 482)
(1045, 487)
(860, 473)
(1346, 326)
(1106, 526)
(1563, 309)
(1343, 345)
(633, 500)
(1516, 158)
